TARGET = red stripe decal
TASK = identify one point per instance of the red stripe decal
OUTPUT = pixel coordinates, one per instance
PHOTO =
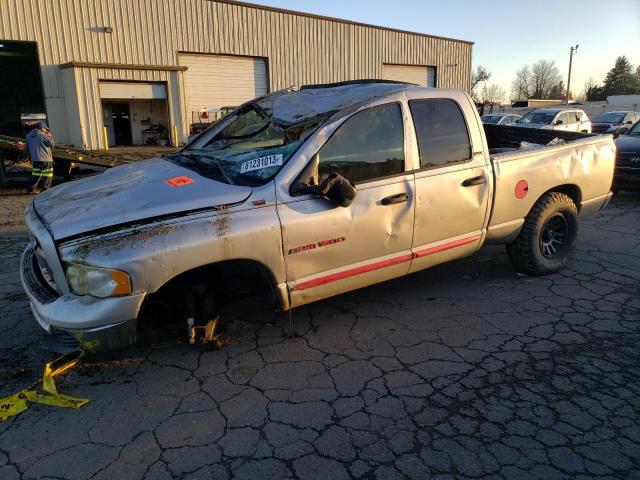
(445, 246)
(352, 272)
(316, 282)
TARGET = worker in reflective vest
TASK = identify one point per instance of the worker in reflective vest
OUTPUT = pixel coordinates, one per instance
(39, 144)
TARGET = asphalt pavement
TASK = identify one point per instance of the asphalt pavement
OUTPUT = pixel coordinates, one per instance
(467, 370)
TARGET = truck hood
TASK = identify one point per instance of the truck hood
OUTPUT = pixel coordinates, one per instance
(628, 144)
(130, 193)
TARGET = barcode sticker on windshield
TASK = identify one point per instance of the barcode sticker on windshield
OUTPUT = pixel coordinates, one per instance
(260, 163)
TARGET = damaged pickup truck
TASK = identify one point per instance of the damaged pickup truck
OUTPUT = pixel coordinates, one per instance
(304, 195)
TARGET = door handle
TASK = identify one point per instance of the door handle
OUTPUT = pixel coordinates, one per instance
(470, 182)
(397, 198)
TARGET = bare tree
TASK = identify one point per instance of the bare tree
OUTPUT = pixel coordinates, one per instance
(492, 94)
(544, 76)
(479, 76)
(521, 86)
(588, 86)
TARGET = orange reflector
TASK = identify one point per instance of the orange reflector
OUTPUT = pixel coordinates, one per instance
(123, 283)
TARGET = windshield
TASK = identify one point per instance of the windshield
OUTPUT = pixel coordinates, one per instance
(537, 117)
(250, 150)
(610, 117)
(635, 130)
(491, 118)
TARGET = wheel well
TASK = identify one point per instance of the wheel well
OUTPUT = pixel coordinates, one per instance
(227, 281)
(570, 190)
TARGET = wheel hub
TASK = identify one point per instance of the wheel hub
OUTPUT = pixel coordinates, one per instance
(554, 235)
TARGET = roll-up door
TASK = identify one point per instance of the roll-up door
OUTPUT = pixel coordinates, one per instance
(132, 90)
(218, 81)
(420, 75)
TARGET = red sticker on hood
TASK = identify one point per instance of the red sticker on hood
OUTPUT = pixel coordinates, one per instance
(179, 181)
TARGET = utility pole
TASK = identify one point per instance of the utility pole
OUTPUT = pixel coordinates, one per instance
(573, 51)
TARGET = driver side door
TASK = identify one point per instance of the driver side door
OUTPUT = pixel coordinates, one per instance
(330, 249)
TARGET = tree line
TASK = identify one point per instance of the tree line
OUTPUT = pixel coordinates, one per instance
(543, 80)
(620, 80)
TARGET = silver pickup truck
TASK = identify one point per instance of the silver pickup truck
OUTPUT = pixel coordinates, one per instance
(303, 195)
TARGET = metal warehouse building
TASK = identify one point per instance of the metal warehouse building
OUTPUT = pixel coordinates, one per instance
(133, 72)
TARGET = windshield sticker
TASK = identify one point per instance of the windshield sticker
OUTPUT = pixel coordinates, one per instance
(179, 181)
(260, 163)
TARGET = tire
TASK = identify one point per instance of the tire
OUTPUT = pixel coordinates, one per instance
(548, 236)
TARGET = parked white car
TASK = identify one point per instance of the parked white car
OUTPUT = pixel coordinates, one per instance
(500, 118)
(569, 119)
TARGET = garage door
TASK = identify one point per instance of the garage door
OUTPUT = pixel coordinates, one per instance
(425, 76)
(123, 90)
(216, 81)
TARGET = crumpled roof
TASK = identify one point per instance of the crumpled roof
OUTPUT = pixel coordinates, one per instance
(291, 107)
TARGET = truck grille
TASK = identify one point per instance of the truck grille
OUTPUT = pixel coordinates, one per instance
(628, 160)
(34, 279)
(45, 271)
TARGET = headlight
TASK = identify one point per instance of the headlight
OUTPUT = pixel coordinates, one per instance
(97, 282)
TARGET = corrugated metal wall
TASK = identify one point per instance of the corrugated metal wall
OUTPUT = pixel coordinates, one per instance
(300, 49)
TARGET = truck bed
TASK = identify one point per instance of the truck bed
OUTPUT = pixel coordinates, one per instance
(503, 139)
(581, 167)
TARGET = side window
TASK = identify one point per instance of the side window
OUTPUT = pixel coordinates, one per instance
(509, 120)
(443, 137)
(367, 146)
(563, 118)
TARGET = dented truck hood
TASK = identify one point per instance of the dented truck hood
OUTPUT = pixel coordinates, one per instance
(128, 194)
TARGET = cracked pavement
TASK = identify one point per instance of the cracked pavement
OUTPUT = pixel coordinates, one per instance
(466, 370)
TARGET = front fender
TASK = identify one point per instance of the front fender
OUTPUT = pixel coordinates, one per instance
(155, 253)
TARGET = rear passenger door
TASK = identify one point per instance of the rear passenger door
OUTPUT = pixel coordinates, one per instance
(453, 183)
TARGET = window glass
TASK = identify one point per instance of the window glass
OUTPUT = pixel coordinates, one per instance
(368, 145)
(442, 133)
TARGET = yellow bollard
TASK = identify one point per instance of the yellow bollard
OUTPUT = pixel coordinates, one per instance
(106, 138)
(175, 136)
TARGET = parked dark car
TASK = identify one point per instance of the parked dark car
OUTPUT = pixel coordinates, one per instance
(611, 122)
(627, 173)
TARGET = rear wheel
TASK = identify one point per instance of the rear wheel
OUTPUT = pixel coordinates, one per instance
(548, 236)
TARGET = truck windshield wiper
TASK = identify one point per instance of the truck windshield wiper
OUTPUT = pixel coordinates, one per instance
(204, 153)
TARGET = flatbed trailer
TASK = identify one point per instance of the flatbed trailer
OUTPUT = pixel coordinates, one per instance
(65, 158)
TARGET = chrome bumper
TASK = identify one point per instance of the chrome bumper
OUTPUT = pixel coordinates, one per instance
(97, 323)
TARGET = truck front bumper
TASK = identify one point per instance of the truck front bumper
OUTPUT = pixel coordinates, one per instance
(98, 324)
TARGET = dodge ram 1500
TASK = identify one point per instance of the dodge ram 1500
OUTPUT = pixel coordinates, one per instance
(304, 195)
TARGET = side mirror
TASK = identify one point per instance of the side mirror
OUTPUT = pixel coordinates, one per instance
(620, 131)
(628, 122)
(337, 189)
(558, 122)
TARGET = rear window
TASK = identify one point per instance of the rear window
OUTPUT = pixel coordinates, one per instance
(443, 137)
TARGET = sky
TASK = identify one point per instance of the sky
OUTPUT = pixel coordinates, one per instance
(508, 33)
